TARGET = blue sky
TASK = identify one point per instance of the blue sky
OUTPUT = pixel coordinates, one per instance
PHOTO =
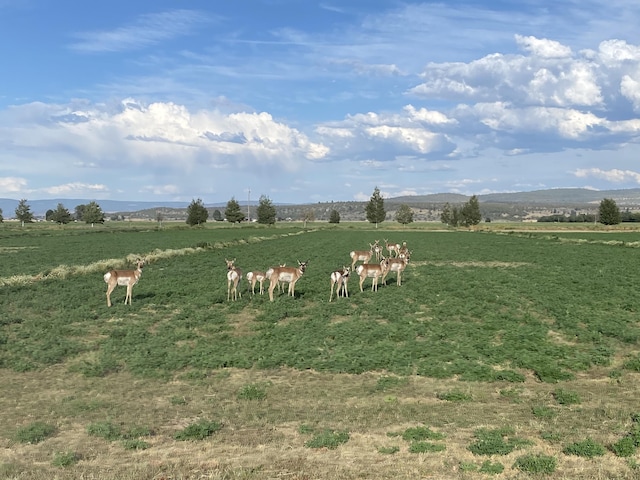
(306, 101)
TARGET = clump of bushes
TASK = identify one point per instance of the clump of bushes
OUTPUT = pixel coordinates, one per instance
(566, 397)
(34, 433)
(198, 431)
(328, 439)
(587, 448)
(538, 464)
(496, 442)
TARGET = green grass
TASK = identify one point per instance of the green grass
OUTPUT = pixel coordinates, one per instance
(495, 334)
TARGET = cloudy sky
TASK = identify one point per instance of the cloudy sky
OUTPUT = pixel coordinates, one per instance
(310, 101)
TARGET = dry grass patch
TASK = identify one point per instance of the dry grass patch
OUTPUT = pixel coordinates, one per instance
(242, 323)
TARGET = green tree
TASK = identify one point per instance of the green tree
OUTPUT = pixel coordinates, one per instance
(1, 217)
(196, 213)
(23, 212)
(60, 215)
(233, 213)
(449, 215)
(609, 213)
(334, 216)
(404, 215)
(374, 210)
(48, 215)
(93, 213)
(217, 216)
(470, 212)
(79, 212)
(266, 212)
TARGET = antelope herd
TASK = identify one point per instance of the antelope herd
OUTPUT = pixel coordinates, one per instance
(374, 265)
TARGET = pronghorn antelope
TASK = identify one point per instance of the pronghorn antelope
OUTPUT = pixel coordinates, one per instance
(280, 282)
(360, 255)
(113, 278)
(253, 277)
(392, 248)
(371, 270)
(396, 265)
(285, 274)
(403, 251)
(234, 275)
(340, 278)
(377, 249)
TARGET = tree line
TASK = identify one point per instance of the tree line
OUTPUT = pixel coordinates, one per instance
(89, 213)
(465, 215)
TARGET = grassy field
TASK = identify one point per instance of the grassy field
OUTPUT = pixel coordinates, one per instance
(506, 353)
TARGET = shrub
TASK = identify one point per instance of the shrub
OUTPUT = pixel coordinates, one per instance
(252, 392)
(328, 439)
(198, 431)
(35, 432)
(625, 447)
(491, 468)
(565, 397)
(421, 433)
(468, 467)
(543, 412)
(134, 444)
(64, 459)
(106, 430)
(587, 448)
(536, 464)
(454, 396)
(496, 442)
(426, 447)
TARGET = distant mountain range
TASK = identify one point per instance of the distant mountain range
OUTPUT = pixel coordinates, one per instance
(551, 198)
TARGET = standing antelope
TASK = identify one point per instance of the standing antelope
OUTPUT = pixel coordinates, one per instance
(396, 265)
(404, 250)
(113, 278)
(360, 255)
(340, 278)
(253, 277)
(377, 249)
(371, 270)
(285, 274)
(234, 275)
(392, 248)
(280, 282)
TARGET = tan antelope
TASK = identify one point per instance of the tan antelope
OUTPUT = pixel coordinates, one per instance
(234, 275)
(340, 278)
(374, 271)
(113, 278)
(285, 274)
(253, 277)
(396, 265)
(377, 249)
(280, 283)
(392, 248)
(403, 251)
(363, 256)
